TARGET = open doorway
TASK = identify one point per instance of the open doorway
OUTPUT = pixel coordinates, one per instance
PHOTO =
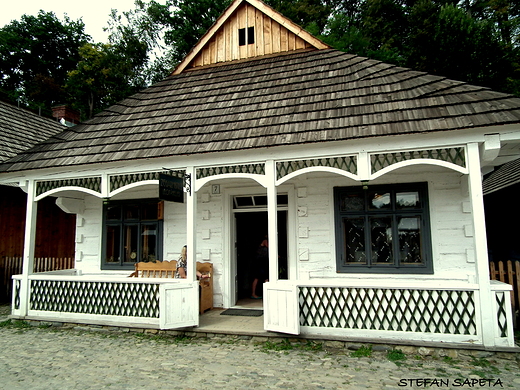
(251, 229)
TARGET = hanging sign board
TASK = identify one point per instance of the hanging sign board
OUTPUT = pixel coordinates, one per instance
(171, 188)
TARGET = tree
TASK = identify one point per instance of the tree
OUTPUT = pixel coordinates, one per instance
(106, 74)
(310, 14)
(36, 53)
(446, 40)
(384, 24)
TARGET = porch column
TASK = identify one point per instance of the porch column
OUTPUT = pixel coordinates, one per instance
(28, 246)
(191, 226)
(487, 311)
(272, 217)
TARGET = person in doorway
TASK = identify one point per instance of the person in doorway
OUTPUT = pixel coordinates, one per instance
(261, 267)
(182, 266)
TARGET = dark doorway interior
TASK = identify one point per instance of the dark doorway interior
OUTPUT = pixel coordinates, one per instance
(251, 230)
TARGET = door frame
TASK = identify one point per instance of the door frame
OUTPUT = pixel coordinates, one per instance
(229, 250)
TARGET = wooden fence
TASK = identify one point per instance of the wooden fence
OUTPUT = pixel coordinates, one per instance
(508, 272)
(10, 266)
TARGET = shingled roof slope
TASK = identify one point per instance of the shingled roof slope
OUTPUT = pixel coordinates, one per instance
(293, 99)
(505, 176)
(21, 129)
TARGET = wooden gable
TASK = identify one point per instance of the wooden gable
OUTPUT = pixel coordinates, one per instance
(247, 29)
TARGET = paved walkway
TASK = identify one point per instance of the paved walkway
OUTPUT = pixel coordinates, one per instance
(56, 358)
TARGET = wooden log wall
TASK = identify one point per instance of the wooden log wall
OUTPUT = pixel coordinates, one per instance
(56, 230)
(10, 266)
(270, 37)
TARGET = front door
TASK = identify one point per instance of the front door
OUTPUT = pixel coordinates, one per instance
(251, 230)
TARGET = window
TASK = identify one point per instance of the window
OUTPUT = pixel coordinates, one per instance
(257, 201)
(383, 229)
(132, 233)
(246, 36)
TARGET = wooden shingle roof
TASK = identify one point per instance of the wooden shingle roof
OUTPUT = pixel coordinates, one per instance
(21, 129)
(292, 99)
(505, 176)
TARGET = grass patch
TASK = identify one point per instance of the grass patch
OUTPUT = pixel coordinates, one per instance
(312, 346)
(18, 324)
(396, 355)
(364, 351)
(45, 325)
(449, 360)
(487, 368)
(163, 338)
(284, 345)
(5, 323)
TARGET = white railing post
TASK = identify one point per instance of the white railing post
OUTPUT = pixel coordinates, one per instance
(28, 246)
(191, 226)
(272, 215)
(487, 306)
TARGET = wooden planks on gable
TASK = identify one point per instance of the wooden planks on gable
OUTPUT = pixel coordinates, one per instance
(269, 38)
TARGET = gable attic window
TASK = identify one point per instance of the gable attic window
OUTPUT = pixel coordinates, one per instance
(246, 39)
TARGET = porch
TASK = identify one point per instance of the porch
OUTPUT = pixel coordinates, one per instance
(429, 314)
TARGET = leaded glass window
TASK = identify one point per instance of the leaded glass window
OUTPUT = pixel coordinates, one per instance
(383, 229)
(133, 233)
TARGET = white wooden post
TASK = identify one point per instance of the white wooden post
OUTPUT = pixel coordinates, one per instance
(272, 216)
(191, 226)
(28, 246)
(487, 307)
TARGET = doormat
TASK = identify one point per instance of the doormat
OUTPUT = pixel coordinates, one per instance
(242, 312)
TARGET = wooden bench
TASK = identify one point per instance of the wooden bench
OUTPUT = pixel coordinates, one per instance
(166, 269)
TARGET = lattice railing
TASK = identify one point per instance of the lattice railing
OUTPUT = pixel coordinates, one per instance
(91, 183)
(500, 297)
(257, 169)
(453, 155)
(95, 297)
(118, 181)
(399, 309)
(345, 163)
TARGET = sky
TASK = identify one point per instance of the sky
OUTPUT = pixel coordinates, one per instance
(95, 13)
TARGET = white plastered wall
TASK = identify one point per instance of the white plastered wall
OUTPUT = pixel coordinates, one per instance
(450, 221)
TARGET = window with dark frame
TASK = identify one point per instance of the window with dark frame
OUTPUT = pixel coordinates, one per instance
(132, 233)
(383, 229)
(246, 36)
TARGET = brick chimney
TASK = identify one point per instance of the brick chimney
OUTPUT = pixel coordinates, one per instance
(65, 115)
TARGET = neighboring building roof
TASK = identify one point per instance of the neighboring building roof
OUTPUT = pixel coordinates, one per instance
(292, 99)
(505, 176)
(21, 129)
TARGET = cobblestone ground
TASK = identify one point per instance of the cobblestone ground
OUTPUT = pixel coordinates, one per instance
(36, 357)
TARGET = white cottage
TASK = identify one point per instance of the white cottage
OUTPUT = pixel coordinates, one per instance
(365, 177)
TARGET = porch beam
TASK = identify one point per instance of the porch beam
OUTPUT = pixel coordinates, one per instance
(272, 216)
(28, 246)
(490, 148)
(487, 308)
(191, 226)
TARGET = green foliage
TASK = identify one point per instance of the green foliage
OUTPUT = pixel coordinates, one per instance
(284, 345)
(364, 351)
(306, 13)
(106, 74)
(19, 324)
(396, 356)
(36, 54)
